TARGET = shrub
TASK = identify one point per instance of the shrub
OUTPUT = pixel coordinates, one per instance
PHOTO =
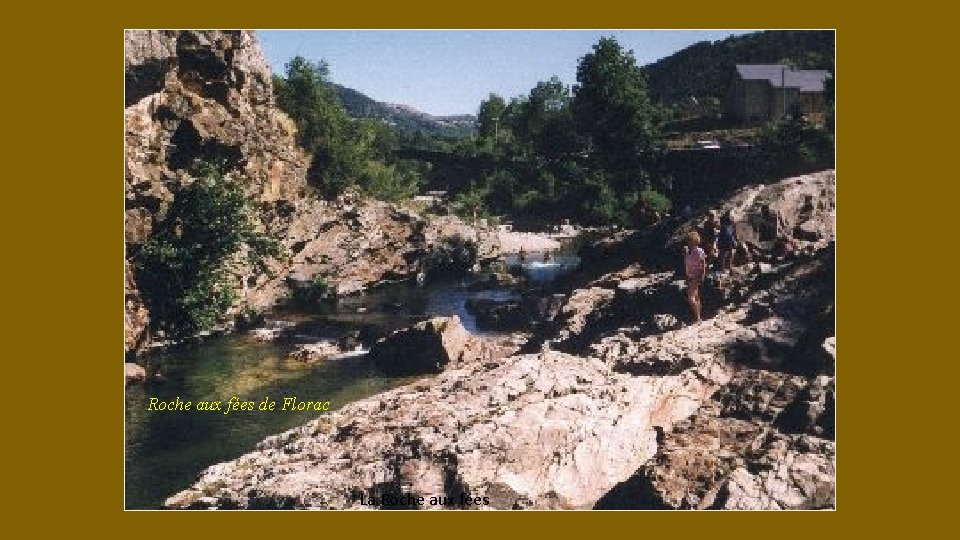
(468, 204)
(390, 182)
(318, 290)
(333, 169)
(184, 269)
(454, 255)
(657, 200)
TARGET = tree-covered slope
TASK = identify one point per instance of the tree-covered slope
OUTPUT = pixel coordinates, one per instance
(703, 70)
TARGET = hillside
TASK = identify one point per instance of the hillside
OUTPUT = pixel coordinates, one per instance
(407, 119)
(704, 69)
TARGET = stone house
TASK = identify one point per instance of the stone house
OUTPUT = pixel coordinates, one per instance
(762, 92)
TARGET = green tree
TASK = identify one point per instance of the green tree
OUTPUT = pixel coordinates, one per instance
(546, 100)
(307, 96)
(184, 269)
(346, 152)
(611, 106)
(323, 127)
(548, 121)
(490, 116)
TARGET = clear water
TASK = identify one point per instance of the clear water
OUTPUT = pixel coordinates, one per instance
(399, 305)
(165, 451)
(542, 268)
(539, 270)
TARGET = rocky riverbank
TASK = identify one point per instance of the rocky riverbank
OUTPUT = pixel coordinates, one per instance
(612, 402)
(207, 95)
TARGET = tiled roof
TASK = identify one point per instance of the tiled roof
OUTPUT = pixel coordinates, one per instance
(807, 80)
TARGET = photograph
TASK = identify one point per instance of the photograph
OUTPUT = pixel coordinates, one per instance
(479, 269)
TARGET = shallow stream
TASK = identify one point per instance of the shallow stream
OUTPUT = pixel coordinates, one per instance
(166, 450)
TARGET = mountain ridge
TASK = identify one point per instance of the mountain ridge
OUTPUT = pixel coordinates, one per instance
(405, 118)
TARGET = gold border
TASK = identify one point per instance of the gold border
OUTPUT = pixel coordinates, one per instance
(66, 232)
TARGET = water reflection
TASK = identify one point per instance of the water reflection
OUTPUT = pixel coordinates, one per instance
(166, 450)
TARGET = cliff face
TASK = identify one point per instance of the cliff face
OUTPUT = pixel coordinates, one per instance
(207, 95)
(197, 95)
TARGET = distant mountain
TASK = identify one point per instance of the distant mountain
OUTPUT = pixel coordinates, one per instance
(406, 118)
(704, 69)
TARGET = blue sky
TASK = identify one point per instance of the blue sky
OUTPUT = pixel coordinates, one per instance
(449, 72)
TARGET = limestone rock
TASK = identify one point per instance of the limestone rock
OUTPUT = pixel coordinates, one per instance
(426, 347)
(313, 352)
(802, 208)
(812, 411)
(733, 457)
(830, 348)
(136, 317)
(545, 430)
(794, 472)
(265, 334)
(636, 411)
(134, 373)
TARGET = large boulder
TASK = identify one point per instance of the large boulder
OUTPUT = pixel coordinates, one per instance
(425, 347)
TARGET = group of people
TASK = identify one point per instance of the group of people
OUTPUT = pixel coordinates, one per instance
(715, 242)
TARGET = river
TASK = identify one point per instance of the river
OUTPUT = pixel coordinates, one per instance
(165, 451)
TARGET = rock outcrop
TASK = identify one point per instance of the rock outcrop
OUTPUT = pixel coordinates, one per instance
(313, 352)
(207, 95)
(547, 430)
(426, 347)
(133, 373)
(802, 209)
(635, 410)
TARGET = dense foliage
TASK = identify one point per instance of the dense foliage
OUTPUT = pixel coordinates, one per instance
(559, 153)
(594, 153)
(184, 269)
(345, 151)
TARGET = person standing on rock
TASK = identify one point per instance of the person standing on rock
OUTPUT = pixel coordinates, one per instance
(695, 265)
(727, 241)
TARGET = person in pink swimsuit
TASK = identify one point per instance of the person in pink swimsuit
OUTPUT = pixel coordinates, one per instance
(695, 264)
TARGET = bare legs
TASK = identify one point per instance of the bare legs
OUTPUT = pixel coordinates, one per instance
(693, 298)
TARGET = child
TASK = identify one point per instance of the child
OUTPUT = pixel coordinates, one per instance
(695, 265)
